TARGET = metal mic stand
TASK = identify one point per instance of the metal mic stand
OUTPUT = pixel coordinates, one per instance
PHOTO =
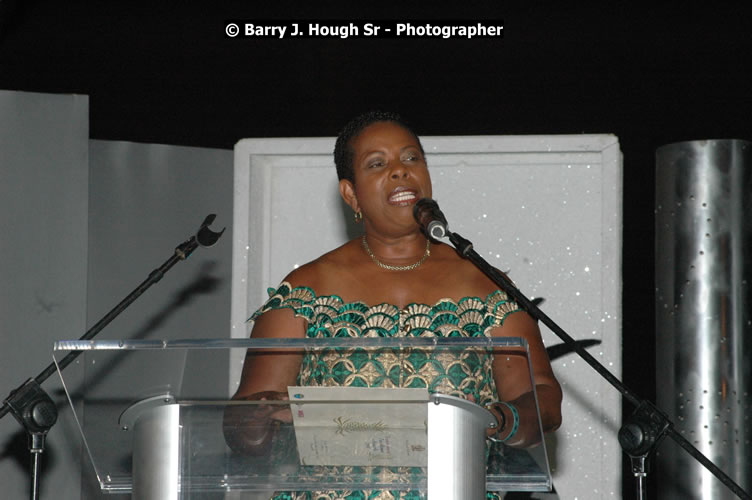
(34, 409)
(645, 427)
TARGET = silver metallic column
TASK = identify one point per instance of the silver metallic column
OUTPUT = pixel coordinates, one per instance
(457, 448)
(704, 312)
(156, 454)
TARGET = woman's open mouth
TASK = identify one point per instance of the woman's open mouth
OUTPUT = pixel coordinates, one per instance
(402, 197)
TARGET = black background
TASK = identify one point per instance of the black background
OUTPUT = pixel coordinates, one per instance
(164, 72)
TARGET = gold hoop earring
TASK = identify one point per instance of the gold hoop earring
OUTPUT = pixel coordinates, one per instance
(358, 216)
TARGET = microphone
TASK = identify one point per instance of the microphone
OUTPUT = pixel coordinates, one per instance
(430, 219)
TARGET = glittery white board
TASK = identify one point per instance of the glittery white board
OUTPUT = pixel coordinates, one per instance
(547, 209)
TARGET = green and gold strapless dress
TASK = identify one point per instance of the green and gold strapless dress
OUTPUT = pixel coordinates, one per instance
(468, 375)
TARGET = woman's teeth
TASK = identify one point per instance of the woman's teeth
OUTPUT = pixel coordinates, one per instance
(402, 196)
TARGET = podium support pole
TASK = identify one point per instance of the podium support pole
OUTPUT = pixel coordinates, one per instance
(457, 448)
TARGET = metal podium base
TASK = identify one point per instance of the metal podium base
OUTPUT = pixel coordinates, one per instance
(156, 454)
(456, 450)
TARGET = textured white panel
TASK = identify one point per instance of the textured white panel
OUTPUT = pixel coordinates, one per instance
(545, 208)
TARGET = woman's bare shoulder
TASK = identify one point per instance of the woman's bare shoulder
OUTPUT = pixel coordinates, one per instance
(320, 273)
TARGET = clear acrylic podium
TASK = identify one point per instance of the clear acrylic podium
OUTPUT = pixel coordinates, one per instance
(152, 418)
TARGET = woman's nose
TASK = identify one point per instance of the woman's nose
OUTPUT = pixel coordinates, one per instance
(398, 169)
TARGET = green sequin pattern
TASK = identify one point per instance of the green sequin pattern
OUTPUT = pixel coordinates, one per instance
(467, 374)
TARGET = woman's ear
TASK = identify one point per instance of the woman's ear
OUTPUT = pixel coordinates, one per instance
(347, 191)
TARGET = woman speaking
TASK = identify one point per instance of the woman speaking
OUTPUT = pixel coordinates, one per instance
(388, 281)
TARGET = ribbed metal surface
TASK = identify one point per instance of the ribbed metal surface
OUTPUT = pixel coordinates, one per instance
(704, 312)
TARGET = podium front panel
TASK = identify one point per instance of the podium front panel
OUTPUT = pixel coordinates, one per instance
(171, 436)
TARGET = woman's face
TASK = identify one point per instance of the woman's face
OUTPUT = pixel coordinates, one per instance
(390, 175)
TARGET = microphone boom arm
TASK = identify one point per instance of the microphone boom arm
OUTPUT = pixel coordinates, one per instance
(204, 237)
(32, 406)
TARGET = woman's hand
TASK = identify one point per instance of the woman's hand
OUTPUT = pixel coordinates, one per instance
(249, 428)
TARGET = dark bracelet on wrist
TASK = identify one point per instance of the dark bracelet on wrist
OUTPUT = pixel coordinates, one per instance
(496, 405)
(503, 423)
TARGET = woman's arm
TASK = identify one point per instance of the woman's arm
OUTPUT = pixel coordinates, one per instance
(511, 374)
(266, 375)
(272, 371)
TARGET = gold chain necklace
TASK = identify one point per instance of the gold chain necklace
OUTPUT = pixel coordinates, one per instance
(397, 268)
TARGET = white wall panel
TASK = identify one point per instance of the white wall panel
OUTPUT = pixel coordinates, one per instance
(44, 144)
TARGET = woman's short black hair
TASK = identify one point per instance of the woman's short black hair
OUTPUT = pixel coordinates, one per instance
(343, 151)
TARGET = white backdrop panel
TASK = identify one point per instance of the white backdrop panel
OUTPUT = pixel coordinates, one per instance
(547, 209)
(44, 144)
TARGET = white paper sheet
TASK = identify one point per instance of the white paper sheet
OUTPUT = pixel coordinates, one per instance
(360, 425)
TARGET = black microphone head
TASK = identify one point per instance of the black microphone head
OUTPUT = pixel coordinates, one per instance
(426, 209)
(429, 217)
(422, 206)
